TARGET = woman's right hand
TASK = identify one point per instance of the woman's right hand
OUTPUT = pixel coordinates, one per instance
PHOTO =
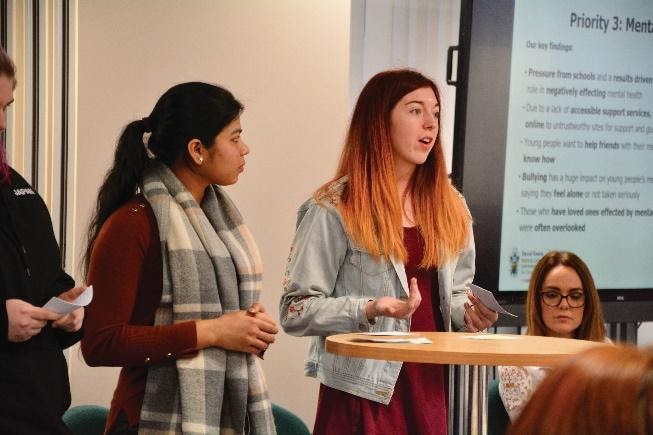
(393, 307)
(250, 331)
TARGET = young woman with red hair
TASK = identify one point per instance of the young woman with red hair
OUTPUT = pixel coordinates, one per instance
(386, 245)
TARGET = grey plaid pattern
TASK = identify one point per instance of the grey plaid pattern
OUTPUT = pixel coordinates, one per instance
(211, 266)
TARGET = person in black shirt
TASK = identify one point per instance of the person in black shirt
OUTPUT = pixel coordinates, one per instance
(33, 374)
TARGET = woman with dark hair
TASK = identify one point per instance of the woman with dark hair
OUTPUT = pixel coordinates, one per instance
(34, 375)
(605, 390)
(562, 301)
(177, 274)
(386, 245)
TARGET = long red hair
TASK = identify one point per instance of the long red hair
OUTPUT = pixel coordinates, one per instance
(370, 204)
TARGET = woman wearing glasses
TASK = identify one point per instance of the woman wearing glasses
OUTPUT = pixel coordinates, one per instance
(562, 301)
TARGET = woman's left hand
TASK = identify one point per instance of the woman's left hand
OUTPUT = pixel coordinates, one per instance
(477, 316)
(71, 322)
(258, 311)
(393, 307)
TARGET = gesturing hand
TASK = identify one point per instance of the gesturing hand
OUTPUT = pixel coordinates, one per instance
(25, 320)
(71, 322)
(477, 316)
(393, 307)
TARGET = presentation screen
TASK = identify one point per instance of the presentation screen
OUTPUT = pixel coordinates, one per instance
(554, 139)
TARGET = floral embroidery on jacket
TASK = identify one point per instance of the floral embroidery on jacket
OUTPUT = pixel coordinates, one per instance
(286, 276)
(296, 307)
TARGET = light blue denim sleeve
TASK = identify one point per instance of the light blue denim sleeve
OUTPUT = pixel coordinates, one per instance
(310, 305)
(463, 276)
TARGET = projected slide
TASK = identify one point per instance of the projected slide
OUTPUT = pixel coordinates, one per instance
(579, 145)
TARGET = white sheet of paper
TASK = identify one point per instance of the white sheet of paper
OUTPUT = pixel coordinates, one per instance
(488, 299)
(64, 307)
(386, 333)
(490, 337)
(376, 339)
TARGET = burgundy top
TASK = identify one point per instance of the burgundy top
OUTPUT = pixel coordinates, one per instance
(127, 277)
(419, 402)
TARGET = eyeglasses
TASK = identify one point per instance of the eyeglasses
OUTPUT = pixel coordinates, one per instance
(553, 299)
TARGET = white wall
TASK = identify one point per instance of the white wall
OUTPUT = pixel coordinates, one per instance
(645, 334)
(286, 60)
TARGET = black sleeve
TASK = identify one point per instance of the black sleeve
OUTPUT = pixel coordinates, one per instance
(8, 273)
(4, 267)
(67, 339)
(4, 320)
(62, 282)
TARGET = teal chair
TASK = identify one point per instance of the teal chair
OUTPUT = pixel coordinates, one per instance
(86, 419)
(90, 420)
(288, 423)
(497, 416)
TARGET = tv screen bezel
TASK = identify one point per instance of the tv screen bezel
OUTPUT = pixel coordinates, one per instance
(619, 305)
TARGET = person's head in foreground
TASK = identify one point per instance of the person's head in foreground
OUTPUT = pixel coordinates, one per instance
(606, 390)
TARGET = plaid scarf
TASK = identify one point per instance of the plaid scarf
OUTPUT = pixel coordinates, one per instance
(211, 266)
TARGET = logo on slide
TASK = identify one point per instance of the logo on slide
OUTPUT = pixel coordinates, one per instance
(514, 262)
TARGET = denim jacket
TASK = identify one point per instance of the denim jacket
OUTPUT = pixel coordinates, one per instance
(328, 282)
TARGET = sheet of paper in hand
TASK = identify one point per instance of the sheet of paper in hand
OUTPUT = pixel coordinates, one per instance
(392, 337)
(488, 299)
(62, 307)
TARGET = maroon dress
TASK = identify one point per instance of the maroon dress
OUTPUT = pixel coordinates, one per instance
(419, 402)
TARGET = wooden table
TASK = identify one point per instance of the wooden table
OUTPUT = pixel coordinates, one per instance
(466, 349)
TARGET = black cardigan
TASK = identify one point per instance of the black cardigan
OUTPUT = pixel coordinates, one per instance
(33, 375)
